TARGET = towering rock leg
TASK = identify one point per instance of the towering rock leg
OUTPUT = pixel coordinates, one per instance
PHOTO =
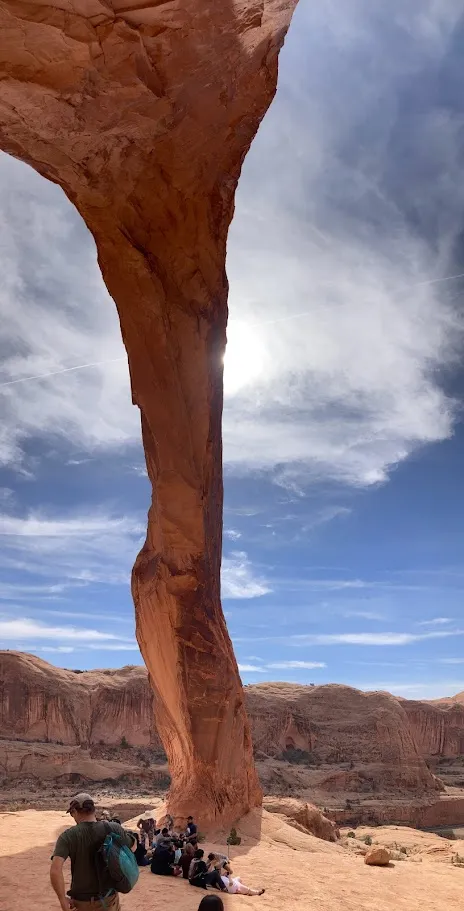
(143, 114)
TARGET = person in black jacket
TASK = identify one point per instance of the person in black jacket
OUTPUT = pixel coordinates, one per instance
(199, 875)
(163, 860)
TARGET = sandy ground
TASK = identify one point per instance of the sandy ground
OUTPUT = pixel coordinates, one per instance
(297, 871)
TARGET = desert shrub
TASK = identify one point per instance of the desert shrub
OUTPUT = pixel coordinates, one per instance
(351, 835)
(124, 743)
(298, 757)
(403, 850)
(233, 838)
(367, 840)
(457, 859)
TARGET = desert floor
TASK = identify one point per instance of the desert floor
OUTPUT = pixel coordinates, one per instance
(296, 869)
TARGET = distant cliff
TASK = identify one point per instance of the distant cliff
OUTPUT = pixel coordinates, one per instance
(337, 739)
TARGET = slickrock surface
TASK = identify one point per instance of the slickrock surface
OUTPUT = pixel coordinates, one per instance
(143, 113)
(297, 871)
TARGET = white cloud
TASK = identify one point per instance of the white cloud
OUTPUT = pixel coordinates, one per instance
(284, 665)
(374, 639)
(61, 649)
(78, 547)
(36, 525)
(328, 273)
(24, 629)
(250, 669)
(364, 615)
(238, 579)
(337, 342)
(56, 313)
(437, 689)
(232, 534)
(437, 621)
(451, 660)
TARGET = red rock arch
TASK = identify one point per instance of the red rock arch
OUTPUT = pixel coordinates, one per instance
(143, 114)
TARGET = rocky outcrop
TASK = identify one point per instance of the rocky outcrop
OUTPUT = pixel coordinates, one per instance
(361, 755)
(437, 727)
(143, 113)
(303, 816)
(337, 725)
(39, 702)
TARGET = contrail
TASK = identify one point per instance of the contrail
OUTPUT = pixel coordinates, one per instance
(284, 319)
(42, 376)
(281, 319)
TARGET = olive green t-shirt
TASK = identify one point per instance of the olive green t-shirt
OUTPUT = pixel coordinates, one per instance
(80, 843)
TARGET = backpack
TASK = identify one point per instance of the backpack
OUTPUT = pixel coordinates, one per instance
(117, 863)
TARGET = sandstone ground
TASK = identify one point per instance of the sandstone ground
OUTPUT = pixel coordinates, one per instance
(297, 870)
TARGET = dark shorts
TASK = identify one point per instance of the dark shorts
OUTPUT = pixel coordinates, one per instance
(111, 903)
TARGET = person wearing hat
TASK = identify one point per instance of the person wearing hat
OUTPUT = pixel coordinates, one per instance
(80, 843)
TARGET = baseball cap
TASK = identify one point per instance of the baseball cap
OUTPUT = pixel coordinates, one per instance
(81, 802)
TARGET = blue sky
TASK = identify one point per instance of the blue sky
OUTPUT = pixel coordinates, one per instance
(343, 433)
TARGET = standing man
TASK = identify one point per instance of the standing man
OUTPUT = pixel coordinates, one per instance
(80, 843)
(192, 829)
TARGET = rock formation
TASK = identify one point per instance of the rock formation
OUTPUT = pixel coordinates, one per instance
(377, 857)
(303, 816)
(337, 742)
(143, 113)
(341, 727)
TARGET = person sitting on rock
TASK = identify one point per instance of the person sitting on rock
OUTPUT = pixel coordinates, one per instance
(163, 838)
(200, 876)
(186, 859)
(234, 886)
(162, 863)
(141, 853)
(218, 862)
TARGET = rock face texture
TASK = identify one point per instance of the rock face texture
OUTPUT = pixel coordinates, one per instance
(361, 755)
(303, 816)
(339, 725)
(143, 112)
(437, 727)
(41, 703)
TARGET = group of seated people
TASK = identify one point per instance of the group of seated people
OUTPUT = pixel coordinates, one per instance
(177, 854)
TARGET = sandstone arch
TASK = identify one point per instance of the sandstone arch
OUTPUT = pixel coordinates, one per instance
(143, 112)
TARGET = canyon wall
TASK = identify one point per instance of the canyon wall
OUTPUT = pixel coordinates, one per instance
(337, 740)
(143, 114)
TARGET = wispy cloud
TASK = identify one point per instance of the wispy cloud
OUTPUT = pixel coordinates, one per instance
(329, 273)
(436, 621)
(370, 639)
(238, 579)
(76, 547)
(364, 615)
(232, 534)
(250, 669)
(24, 629)
(296, 665)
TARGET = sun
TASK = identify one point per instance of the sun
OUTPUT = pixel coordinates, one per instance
(244, 357)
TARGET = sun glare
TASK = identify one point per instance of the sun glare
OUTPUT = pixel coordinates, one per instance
(244, 357)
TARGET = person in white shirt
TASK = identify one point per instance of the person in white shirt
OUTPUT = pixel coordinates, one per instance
(235, 886)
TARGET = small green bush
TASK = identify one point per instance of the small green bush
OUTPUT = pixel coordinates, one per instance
(233, 838)
(351, 835)
(367, 840)
(124, 743)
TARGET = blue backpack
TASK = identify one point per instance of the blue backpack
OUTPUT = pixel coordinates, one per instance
(117, 862)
